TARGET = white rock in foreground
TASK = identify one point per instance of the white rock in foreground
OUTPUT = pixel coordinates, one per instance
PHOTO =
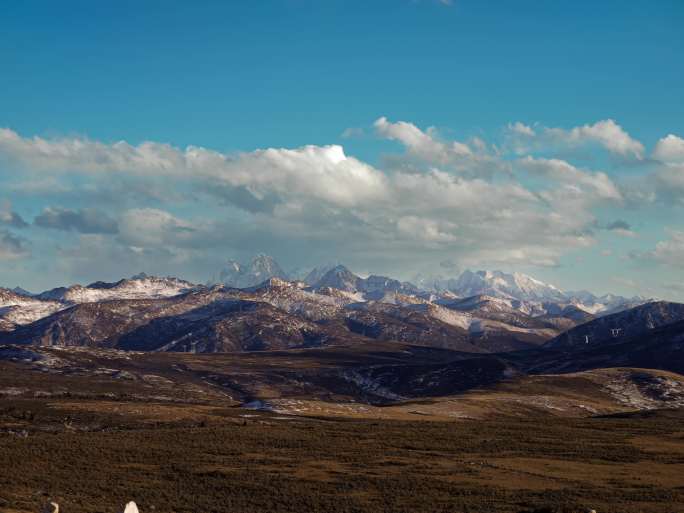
(131, 507)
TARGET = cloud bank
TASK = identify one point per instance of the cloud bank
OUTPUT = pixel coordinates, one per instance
(471, 202)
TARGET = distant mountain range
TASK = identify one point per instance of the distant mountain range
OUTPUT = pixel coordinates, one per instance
(498, 284)
(257, 307)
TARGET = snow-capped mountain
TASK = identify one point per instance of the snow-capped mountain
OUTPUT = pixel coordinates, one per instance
(315, 275)
(258, 270)
(529, 295)
(500, 284)
(18, 309)
(511, 311)
(340, 278)
(372, 288)
(606, 304)
(140, 286)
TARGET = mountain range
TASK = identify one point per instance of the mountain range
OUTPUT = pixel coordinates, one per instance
(371, 339)
(256, 307)
(517, 287)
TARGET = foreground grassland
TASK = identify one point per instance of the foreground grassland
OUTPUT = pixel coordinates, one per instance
(92, 456)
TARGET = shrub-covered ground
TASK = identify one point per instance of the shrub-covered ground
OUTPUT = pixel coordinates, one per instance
(92, 456)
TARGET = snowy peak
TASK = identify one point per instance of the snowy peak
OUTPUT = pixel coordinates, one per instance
(258, 270)
(266, 266)
(138, 287)
(500, 284)
(374, 287)
(17, 309)
(315, 275)
(340, 278)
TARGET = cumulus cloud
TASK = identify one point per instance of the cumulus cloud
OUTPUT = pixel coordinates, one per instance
(318, 199)
(667, 183)
(83, 221)
(606, 133)
(670, 149)
(596, 184)
(421, 144)
(669, 252)
(427, 148)
(74, 154)
(150, 227)
(521, 129)
(11, 246)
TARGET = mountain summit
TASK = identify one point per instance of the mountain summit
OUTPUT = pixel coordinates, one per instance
(500, 284)
(258, 270)
(341, 278)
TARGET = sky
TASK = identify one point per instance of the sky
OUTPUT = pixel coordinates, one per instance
(395, 136)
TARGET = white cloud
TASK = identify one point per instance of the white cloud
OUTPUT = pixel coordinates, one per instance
(597, 184)
(73, 154)
(317, 198)
(423, 145)
(321, 172)
(324, 172)
(670, 251)
(670, 149)
(151, 227)
(606, 133)
(521, 129)
(668, 182)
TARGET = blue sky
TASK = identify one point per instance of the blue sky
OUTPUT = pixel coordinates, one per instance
(235, 77)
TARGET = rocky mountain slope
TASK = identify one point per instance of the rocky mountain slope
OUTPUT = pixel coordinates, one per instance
(168, 314)
(276, 315)
(620, 326)
(657, 348)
